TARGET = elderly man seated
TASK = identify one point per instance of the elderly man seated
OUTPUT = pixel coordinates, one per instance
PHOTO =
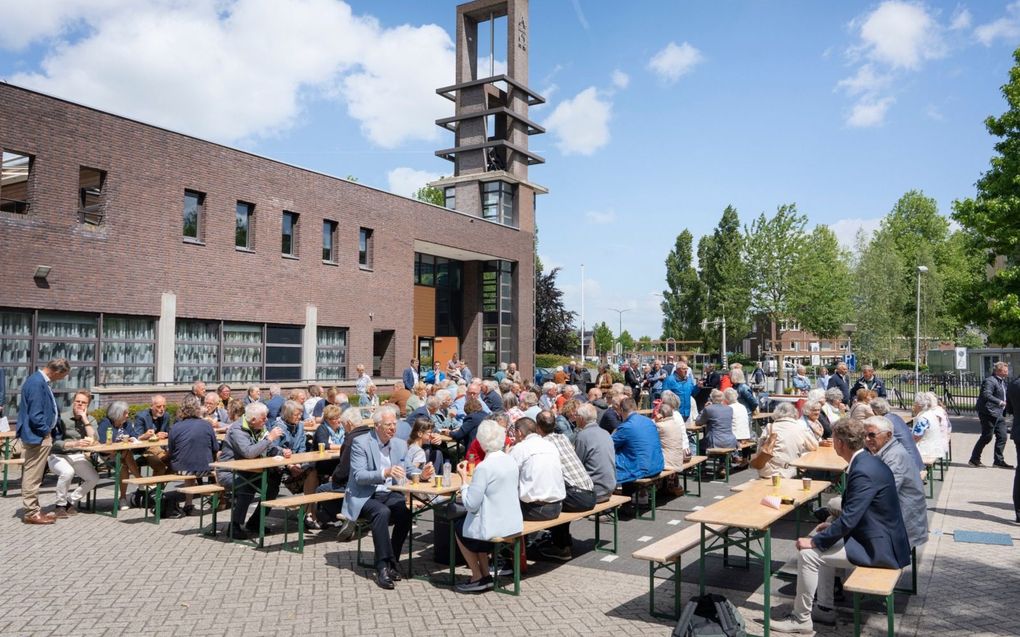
(378, 460)
(638, 450)
(541, 488)
(869, 532)
(880, 441)
(155, 421)
(245, 439)
(580, 490)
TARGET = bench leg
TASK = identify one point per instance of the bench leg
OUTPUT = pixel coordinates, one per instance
(728, 467)
(674, 569)
(159, 501)
(654, 490)
(890, 615)
(215, 508)
(857, 615)
(301, 529)
(913, 574)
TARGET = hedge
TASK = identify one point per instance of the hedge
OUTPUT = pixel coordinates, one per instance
(904, 365)
(133, 410)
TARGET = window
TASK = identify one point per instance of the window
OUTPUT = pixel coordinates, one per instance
(331, 353)
(450, 197)
(497, 315)
(197, 352)
(15, 354)
(242, 353)
(424, 269)
(498, 202)
(289, 234)
(365, 248)
(128, 351)
(283, 352)
(14, 172)
(90, 195)
(329, 241)
(194, 205)
(244, 231)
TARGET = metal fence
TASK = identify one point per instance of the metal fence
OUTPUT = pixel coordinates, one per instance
(958, 392)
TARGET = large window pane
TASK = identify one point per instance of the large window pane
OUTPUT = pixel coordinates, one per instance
(331, 353)
(66, 326)
(243, 230)
(14, 173)
(194, 204)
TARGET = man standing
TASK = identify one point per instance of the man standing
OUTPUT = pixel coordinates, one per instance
(378, 460)
(37, 416)
(990, 405)
(681, 382)
(869, 381)
(410, 376)
(823, 377)
(841, 381)
(869, 532)
(1013, 407)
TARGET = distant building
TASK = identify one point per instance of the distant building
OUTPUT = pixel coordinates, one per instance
(792, 343)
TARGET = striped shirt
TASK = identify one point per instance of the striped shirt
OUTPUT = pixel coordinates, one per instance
(574, 474)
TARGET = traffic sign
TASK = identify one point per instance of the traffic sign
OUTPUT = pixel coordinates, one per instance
(961, 358)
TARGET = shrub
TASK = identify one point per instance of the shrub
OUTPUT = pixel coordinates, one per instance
(551, 360)
(737, 357)
(904, 365)
(133, 410)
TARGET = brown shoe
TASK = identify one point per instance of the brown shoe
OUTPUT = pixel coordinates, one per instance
(60, 513)
(38, 518)
(70, 510)
(48, 516)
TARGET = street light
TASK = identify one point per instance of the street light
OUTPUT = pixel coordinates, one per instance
(620, 317)
(917, 334)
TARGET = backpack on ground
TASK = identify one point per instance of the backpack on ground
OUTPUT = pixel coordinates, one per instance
(710, 615)
(172, 500)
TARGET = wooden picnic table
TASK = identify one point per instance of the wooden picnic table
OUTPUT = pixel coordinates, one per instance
(431, 497)
(116, 448)
(258, 466)
(745, 511)
(825, 460)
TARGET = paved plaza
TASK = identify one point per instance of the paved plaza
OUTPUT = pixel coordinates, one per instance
(93, 575)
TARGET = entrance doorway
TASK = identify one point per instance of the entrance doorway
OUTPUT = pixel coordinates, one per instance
(426, 352)
(383, 356)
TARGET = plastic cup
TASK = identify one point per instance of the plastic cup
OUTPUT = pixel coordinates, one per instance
(807, 484)
(415, 478)
(777, 480)
(322, 448)
(438, 481)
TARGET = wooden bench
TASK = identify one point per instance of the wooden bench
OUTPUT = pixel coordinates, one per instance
(717, 453)
(650, 485)
(880, 582)
(929, 475)
(666, 554)
(206, 493)
(159, 482)
(609, 507)
(11, 462)
(299, 502)
(694, 462)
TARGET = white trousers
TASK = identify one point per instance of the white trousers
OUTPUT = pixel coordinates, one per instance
(815, 573)
(66, 467)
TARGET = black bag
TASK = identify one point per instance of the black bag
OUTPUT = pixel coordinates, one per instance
(172, 500)
(710, 615)
(141, 499)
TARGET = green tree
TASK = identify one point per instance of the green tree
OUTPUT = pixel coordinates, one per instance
(992, 220)
(555, 332)
(603, 338)
(682, 304)
(644, 343)
(821, 272)
(430, 194)
(879, 300)
(626, 341)
(773, 245)
(724, 277)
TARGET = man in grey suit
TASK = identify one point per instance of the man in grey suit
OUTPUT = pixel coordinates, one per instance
(882, 443)
(990, 405)
(378, 460)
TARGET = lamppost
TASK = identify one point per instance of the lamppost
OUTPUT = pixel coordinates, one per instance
(620, 317)
(917, 333)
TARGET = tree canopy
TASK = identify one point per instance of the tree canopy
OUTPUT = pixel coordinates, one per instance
(555, 332)
(682, 301)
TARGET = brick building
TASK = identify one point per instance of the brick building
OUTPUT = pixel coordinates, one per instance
(150, 258)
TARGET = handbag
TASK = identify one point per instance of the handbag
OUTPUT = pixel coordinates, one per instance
(765, 451)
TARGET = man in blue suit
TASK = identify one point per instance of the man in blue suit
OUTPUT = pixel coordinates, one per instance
(841, 381)
(378, 460)
(37, 417)
(869, 532)
(990, 406)
(411, 375)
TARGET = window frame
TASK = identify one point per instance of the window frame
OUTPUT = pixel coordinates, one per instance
(366, 248)
(249, 236)
(199, 217)
(333, 234)
(22, 207)
(91, 214)
(450, 197)
(295, 220)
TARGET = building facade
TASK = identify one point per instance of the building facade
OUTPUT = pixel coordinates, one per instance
(791, 343)
(151, 259)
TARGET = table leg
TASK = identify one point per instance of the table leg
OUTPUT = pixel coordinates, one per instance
(116, 484)
(7, 456)
(701, 565)
(262, 510)
(767, 566)
(301, 529)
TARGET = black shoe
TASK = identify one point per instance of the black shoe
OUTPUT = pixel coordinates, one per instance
(1004, 465)
(394, 572)
(239, 534)
(175, 514)
(383, 579)
(311, 524)
(479, 586)
(975, 463)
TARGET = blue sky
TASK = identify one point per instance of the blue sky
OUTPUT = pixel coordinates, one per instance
(658, 119)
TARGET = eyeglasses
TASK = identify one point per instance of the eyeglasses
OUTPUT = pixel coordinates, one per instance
(871, 435)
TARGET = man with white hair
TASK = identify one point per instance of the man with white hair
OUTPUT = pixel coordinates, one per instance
(800, 379)
(275, 402)
(869, 381)
(901, 431)
(990, 406)
(548, 398)
(247, 438)
(881, 442)
(490, 396)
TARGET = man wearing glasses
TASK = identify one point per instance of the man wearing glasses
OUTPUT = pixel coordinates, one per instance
(882, 444)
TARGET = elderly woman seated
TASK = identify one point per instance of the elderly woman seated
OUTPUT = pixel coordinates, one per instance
(741, 419)
(490, 496)
(834, 409)
(927, 430)
(793, 440)
(861, 409)
(717, 419)
(117, 427)
(811, 416)
(676, 449)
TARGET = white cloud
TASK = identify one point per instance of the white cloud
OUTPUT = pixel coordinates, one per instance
(620, 79)
(846, 230)
(961, 19)
(869, 112)
(896, 37)
(673, 62)
(1005, 28)
(581, 124)
(406, 181)
(934, 113)
(901, 35)
(600, 218)
(865, 81)
(235, 69)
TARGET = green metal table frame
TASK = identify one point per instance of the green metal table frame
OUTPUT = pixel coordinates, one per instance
(432, 505)
(263, 486)
(890, 614)
(697, 475)
(116, 487)
(613, 513)
(214, 500)
(723, 540)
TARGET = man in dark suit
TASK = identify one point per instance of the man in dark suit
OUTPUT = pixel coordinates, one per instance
(990, 405)
(37, 417)
(868, 532)
(411, 374)
(841, 381)
(1013, 407)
